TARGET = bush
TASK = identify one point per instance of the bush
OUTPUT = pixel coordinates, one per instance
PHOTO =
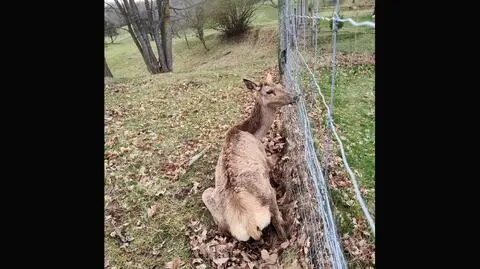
(232, 17)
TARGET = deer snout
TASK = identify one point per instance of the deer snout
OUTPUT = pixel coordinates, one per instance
(295, 98)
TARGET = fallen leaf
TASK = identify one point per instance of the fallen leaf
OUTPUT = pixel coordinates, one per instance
(272, 259)
(151, 211)
(174, 264)
(285, 244)
(197, 260)
(195, 187)
(161, 192)
(264, 254)
(220, 261)
(245, 257)
(142, 170)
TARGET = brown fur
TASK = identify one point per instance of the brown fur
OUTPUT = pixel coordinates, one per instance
(243, 201)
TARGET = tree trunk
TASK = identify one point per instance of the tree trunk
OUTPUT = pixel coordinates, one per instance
(139, 32)
(186, 40)
(200, 36)
(125, 11)
(130, 29)
(107, 72)
(153, 63)
(166, 34)
(156, 31)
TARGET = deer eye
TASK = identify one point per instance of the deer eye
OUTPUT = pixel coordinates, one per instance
(270, 92)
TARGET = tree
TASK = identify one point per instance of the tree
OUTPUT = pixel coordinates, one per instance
(156, 23)
(198, 21)
(232, 17)
(110, 30)
(195, 17)
(107, 72)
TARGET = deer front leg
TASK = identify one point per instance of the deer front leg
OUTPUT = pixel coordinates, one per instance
(272, 160)
(277, 220)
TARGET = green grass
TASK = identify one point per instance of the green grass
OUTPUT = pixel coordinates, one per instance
(354, 116)
(266, 15)
(349, 38)
(355, 112)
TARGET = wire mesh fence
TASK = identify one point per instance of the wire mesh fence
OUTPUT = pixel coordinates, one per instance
(318, 40)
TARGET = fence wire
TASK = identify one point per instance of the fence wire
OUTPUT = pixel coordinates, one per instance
(309, 39)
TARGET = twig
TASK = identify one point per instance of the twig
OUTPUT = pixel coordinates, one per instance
(196, 157)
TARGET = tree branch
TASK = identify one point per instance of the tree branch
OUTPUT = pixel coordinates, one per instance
(194, 5)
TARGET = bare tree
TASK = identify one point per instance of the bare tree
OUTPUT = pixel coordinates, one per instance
(112, 14)
(197, 21)
(107, 72)
(155, 24)
(195, 17)
(110, 31)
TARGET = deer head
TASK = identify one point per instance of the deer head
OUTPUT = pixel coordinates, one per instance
(270, 94)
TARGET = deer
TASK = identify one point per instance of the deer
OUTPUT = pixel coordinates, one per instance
(243, 201)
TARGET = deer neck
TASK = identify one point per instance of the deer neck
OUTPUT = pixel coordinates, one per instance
(259, 121)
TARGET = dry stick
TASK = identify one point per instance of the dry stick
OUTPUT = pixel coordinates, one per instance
(192, 160)
(196, 157)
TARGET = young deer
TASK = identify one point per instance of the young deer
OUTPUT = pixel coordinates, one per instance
(243, 202)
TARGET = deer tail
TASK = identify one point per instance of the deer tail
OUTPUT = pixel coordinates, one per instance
(252, 229)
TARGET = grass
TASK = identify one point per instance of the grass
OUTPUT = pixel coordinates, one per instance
(164, 120)
(265, 15)
(349, 38)
(354, 116)
(354, 113)
(154, 124)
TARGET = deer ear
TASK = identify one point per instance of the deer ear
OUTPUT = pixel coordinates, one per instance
(251, 85)
(269, 79)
